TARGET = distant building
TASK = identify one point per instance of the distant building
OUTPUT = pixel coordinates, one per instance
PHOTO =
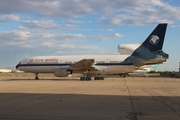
(5, 71)
(18, 71)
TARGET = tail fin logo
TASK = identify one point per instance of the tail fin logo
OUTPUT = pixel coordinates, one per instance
(154, 39)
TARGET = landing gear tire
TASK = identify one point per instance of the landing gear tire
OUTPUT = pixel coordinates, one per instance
(85, 78)
(81, 78)
(124, 76)
(98, 78)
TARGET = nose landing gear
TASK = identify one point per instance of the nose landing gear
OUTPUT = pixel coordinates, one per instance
(36, 76)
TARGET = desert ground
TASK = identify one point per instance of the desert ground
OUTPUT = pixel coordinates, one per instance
(115, 98)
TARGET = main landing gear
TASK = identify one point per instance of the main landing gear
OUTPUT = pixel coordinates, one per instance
(85, 78)
(123, 75)
(98, 78)
(89, 78)
(36, 76)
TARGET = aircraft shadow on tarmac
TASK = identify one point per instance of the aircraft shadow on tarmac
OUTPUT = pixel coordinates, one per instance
(43, 79)
(53, 78)
(82, 106)
(133, 79)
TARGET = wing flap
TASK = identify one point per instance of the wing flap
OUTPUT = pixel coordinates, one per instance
(85, 64)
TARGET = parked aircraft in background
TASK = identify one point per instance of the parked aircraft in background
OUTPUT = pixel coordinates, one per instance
(146, 68)
(148, 53)
(141, 70)
(127, 49)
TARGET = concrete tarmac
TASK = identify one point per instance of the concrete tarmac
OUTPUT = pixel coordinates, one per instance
(110, 99)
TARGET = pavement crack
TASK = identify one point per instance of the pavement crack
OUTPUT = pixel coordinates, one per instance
(130, 115)
(133, 115)
(162, 100)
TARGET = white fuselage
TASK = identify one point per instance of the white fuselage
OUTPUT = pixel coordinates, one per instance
(127, 49)
(106, 64)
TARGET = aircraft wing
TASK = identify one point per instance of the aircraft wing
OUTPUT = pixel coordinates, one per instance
(84, 64)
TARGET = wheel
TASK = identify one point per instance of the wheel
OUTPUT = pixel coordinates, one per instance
(101, 78)
(81, 78)
(85, 78)
(96, 78)
(88, 78)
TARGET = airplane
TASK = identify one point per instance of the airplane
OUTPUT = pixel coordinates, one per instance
(127, 49)
(146, 68)
(141, 70)
(148, 53)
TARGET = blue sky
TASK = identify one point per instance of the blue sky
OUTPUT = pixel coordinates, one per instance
(73, 27)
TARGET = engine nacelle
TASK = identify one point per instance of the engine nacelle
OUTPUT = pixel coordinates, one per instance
(60, 72)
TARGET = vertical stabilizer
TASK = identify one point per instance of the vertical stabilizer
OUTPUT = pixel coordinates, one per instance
(155, 40)
(151, 48)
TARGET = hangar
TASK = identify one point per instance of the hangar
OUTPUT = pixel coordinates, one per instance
(5, 71)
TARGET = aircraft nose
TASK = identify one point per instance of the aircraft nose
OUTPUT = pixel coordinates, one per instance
(17, 66)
